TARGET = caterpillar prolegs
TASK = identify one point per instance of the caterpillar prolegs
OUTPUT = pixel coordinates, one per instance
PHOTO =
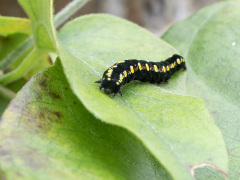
(125, 71)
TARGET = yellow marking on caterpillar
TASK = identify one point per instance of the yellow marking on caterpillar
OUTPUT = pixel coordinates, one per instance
(178, 61)
(117, 83)
(120, 62)
(109, 72)
(172, 65)
(121, 77)
(131, 68)
(168, 68)
(147, 67)
(109, 79)
(184, 60)
(125, 73)
(113, 66)
(155, 68)
(164, 69)
(139, 66)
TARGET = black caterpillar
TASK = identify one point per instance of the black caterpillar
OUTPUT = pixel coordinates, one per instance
(125, 71)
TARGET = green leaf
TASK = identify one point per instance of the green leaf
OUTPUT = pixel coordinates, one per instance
(46, 133)
(12, 25)
(177, 129)
(210, 41)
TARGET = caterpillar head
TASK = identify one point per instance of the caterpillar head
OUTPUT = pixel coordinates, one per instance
(180, 61)
(110, 85)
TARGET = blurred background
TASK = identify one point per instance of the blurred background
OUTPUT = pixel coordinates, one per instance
(155, 15)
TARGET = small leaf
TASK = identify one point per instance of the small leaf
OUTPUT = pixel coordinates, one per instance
(46, 133)
(177, 129)
(210, 41)
(12, 25)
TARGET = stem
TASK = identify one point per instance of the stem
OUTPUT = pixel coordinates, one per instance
(24, 47)
(23, 68)
(7, 93)
(68, 11)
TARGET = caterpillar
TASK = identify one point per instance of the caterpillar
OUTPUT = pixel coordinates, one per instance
(125, 71)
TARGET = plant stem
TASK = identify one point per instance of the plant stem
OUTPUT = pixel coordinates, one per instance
(7, 93)
(68, 11)
(23, 68)
(24, 47)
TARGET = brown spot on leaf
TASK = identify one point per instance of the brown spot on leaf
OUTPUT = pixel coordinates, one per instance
(74, 102)
(66, 89)
(41, 115)
(41, 120)
(43, 83)
(49, 115)
(55, 96)
(38, 96)
(57, 114)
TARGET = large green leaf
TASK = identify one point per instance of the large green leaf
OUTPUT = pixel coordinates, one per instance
(47, 133)
(210, 42)
(177, 129)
